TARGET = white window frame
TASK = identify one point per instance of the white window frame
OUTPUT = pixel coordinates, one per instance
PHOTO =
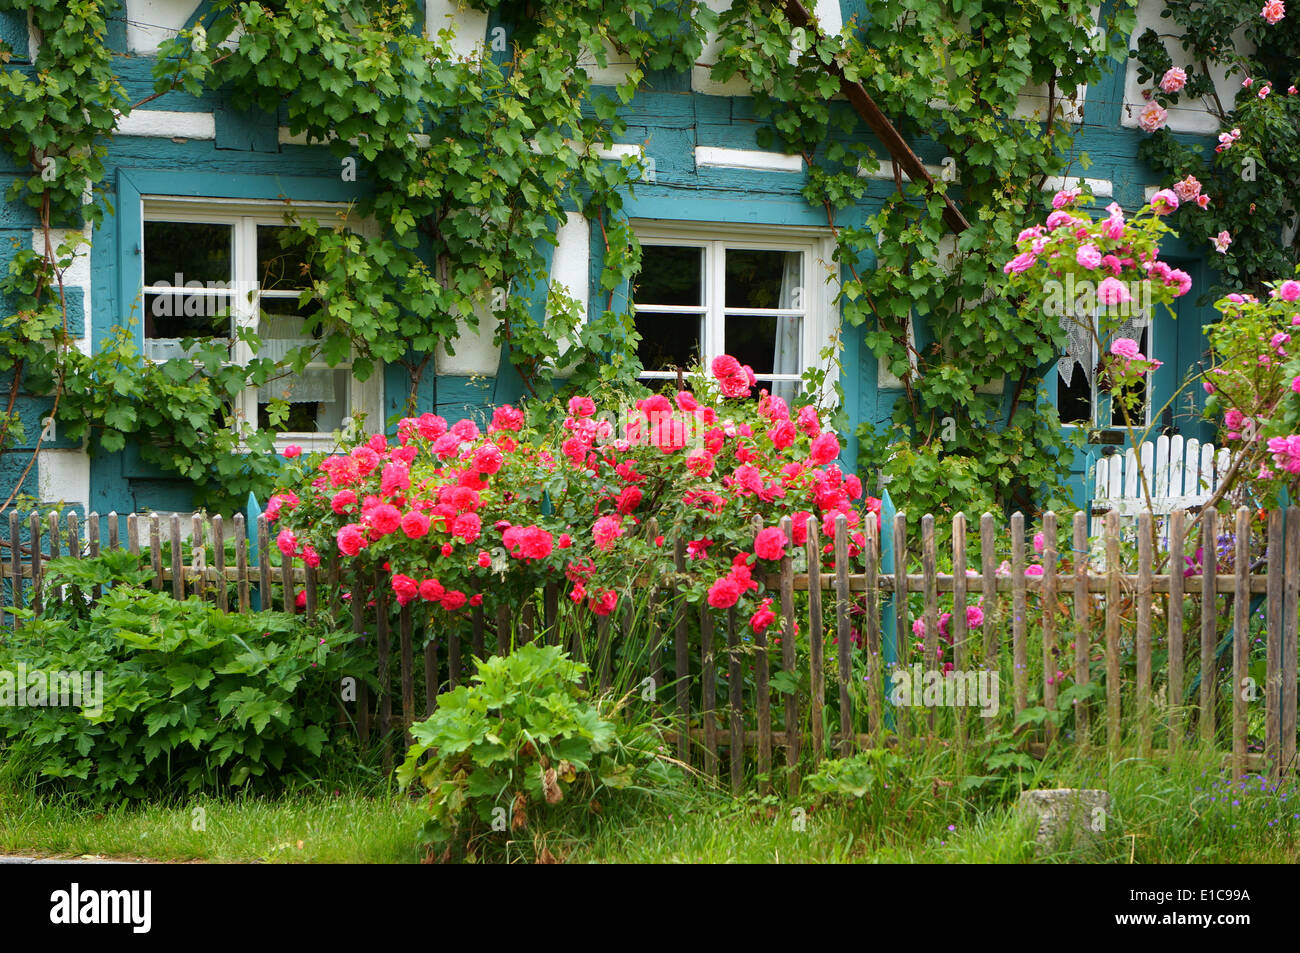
(244, 216)
(821, 285)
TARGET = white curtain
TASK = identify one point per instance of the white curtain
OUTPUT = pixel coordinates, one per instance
(280, 335)
(789, 328)
(1079, 350)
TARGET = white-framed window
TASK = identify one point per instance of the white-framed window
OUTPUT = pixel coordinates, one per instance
(764, 295)
(1080, 402)
(212, 268)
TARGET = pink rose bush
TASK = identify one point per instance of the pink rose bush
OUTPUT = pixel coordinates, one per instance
(454, 517)
(1254, 385)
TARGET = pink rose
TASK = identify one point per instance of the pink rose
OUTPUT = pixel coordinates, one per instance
(769, 543)
(415, 525)
(1164, 202)
(396, 479)
(467, 527)
(351, 539)
(1273, 11)
(1174, 80)
(385, 518)
(1112, 291)
(1126, 348)
(507, 418)
(763, 618)
(605, 530)
(291, 451)
(405, 588)
(488, 459)
(1152, 117)
(1021, 263)
(724, 593)
(824, 449)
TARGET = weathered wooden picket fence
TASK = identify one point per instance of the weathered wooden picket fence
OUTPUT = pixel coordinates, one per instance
(862, 610)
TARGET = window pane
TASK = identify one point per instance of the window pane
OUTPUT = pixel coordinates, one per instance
(1138, 393)
(318, 400)
(668, 341)
(764, 279)
(670, 275)
(1074, 399)
(175, 316)
(281, 257)
(767, 343)
(285, 317)
(194, 251)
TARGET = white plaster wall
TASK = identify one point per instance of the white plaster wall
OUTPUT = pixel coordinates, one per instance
(63, 476)
(571, 263)
(476, 355)
(469, 26)
(150, 22)
(167, 124)
(1187, 116)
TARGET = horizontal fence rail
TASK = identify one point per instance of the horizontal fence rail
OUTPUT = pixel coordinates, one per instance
(1137, 631)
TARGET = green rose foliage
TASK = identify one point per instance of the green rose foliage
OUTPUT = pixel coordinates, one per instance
(1254, 389)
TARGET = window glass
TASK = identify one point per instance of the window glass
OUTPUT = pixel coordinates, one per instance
(670, 275)
(194, 251)
(281, 258)
(757, 278)
(668, 341)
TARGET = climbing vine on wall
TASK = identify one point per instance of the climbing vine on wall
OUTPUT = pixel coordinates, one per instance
(469, 164)
(950, 75)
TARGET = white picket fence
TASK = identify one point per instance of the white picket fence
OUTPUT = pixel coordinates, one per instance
(1180, 473)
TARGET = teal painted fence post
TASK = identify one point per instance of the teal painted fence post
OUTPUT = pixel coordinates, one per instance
(888, 606)
(252, 513)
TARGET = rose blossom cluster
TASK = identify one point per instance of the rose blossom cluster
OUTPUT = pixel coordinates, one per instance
(452, 515)
(1105, 250)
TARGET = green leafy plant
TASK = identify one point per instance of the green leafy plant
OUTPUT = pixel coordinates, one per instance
(514, 757)
(190, 696)
(865, 774)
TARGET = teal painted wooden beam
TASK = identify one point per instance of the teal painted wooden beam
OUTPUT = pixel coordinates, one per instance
(889, 647)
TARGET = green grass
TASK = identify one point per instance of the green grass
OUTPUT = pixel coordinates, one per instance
(1173, 812)
(299, 828)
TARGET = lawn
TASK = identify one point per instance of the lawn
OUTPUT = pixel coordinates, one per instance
(1177, 812)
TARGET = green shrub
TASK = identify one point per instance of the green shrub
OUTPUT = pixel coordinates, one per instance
(191, 696)
(522, 754)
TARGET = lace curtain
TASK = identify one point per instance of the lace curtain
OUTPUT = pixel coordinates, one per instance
(280, 335)
(1079, 353)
